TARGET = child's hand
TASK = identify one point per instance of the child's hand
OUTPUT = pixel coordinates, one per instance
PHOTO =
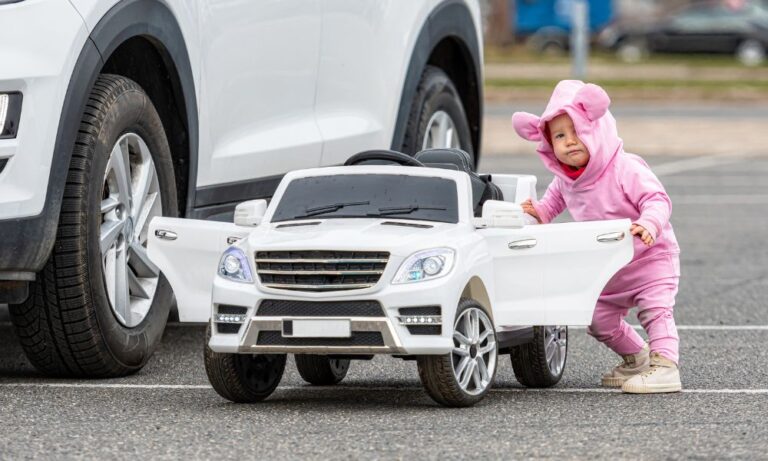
(642, 233)
(528, 208)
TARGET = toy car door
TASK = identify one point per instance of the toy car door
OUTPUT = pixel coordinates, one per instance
(581, 259)
(572, 261)
(187, 251)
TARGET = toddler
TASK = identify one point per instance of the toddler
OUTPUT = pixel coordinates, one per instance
(596, 180)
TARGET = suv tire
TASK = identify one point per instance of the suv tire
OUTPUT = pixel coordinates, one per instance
(436, 109)
(321, 370)
(68, 326)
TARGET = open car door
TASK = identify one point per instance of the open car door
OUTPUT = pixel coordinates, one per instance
(187, 251)
(552, 274)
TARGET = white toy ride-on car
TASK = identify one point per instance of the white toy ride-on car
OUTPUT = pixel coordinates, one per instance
(386, 256)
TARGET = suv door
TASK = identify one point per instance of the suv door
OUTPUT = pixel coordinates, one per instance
(258, 80)
(570, 263)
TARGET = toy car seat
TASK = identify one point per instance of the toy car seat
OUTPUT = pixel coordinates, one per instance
(456, 159)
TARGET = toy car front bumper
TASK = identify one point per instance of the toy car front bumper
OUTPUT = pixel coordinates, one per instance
(369, 334)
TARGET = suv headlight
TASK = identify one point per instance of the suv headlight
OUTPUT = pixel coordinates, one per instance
(234, 266)
(425, 265)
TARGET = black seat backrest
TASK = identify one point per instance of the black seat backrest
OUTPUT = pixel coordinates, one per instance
(456, 159)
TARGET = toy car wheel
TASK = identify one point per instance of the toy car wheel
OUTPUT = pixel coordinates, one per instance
(321, 370)
(463, 377)
(99, 306)
(541, 362)
(243, 378)
(437, 117)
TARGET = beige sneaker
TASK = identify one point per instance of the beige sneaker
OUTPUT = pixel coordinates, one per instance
(662, 376)
(631, 365)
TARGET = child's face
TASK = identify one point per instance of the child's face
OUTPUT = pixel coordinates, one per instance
(567, 146)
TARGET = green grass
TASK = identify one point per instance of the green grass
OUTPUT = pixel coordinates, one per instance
(710, 85)
(520, 54)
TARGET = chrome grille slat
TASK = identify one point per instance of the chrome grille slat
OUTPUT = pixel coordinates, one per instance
(324, 261)
(266, 271)
(338, 286)
(320, 270)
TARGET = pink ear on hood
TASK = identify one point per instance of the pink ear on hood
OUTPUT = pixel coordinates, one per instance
(527, 126)
(593, 100)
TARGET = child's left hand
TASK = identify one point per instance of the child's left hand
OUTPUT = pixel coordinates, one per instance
(642, 233)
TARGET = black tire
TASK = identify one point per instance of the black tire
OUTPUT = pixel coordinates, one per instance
(529, 361)
(437, 375)
(436, 92)
(67, 326)
(321, 370)
(243, 378)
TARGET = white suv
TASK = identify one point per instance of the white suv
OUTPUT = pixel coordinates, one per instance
(114, 112)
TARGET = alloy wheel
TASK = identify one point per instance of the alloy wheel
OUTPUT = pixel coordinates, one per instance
(475, 351)
(555, 345)
(441, 132)
(130, 199)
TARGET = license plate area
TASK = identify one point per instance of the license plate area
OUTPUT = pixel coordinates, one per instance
(317, 328)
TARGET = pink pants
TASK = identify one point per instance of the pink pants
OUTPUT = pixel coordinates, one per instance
(654, 311)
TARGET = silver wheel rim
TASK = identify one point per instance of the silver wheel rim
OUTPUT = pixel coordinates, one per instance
(555, 347)
(751, 53)
(441, 132)
(474, 351)
(130, 199)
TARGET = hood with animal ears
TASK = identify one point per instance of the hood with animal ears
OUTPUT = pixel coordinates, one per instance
(587, 105)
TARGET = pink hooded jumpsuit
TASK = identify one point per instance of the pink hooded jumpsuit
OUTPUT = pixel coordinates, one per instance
(614, 185)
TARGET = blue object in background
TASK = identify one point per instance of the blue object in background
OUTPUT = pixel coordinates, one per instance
(532, 15)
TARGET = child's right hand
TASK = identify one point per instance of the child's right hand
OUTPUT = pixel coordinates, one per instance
(528, 208)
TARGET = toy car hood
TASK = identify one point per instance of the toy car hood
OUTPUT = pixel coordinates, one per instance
(399, 237)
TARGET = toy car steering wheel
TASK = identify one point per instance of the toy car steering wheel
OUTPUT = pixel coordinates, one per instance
(382, 157)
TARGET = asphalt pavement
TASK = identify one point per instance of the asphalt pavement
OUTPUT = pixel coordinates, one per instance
(380, 411)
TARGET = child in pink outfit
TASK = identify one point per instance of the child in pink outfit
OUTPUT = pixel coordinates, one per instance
(596, 180)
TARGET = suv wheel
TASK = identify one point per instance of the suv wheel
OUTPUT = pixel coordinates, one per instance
(321, 370)
(463, 377)
(541, 362)
(99, 307)
(437, 117)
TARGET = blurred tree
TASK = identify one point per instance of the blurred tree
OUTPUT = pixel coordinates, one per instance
(500, 26)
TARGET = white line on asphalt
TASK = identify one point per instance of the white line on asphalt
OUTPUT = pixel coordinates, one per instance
(556, 390)
(725, 199)
(637, 327)
(704, 327)
(695, 163)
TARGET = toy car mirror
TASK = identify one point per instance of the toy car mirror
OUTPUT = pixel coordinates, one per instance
(497, 213)
(250, 213)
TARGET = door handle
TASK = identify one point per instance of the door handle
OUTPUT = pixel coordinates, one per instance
(165, 234)
(610, 237)
(522, 244)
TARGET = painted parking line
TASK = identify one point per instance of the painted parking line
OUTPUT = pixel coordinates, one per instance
(556, 390)
(696, 163)
(724, 199)
(702, 327)
(679, 327)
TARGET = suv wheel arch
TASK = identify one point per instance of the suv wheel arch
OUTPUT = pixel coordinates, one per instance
(447, 40)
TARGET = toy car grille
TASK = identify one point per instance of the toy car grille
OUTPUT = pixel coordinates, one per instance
(358, 338)
(281, 308)
(320, 270)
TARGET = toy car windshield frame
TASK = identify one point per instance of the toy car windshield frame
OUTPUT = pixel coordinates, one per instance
(397, 196)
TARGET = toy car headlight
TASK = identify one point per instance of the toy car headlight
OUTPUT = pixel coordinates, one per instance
(234, 266)
(425, 265)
